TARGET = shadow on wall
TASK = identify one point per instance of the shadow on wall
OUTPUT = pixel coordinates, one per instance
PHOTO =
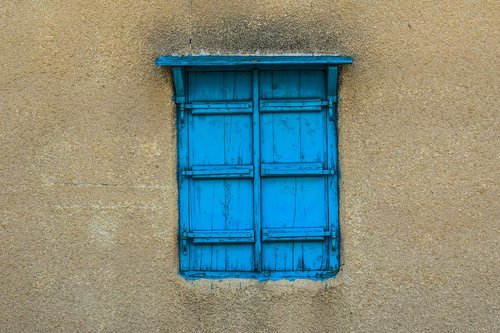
(236, 27)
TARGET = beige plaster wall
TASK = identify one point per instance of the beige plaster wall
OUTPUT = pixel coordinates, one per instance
(87, 166)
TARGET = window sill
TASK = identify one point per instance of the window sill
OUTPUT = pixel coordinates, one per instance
(261, 276)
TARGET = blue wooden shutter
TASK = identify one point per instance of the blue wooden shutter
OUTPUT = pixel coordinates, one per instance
(299, 189)
(258, 181)
(218, 231)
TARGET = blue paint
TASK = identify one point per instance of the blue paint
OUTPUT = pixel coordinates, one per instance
(258, 171)
(182, 148)
(332, 159)
(220, 144)
(180, 86)
(295, 234)
(257, 164)
(218, 171)
(295, 169)
(300, 105)
(218, 237)
(261, 276)
(250, 60)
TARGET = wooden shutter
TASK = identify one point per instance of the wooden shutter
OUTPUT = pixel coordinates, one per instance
(217, 233)
(298, 168)
(258, 172)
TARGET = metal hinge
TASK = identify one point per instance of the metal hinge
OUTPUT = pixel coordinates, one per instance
(333, 237)
(332, 100)
(181, 104)
(184, 239)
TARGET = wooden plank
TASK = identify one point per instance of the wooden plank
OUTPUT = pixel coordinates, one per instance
(257, 222)
(317, 275)
(238, 204)
(220, 105)
(245, 234)
(294, 169)
(238, 212)
(332, 75)
(292, 105)
(206, 86)
(239, 68)
(285, 126)
(249, 60)
(184, 183)
(280, 145)
(219, 171)
(313, 255)
(206, 205)
(312, 126)
(221, 256)
(238, 128)
(333, 180)
(284, 148)
(216, 111)
(179, 84)
(210, 108)
(294, 234)
(222, 236)
(266, 120)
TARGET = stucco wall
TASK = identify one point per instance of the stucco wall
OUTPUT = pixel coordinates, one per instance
(88, 156)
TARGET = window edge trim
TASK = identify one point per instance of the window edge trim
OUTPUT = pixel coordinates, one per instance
(234, 60)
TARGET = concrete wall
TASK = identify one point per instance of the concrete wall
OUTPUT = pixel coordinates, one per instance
(88, 157)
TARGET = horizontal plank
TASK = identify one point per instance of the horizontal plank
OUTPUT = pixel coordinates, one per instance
(231, 60)
(216, 237)
(261, 276)
(295, 234)
(219, 171)
(223, 240)
(247, 68)
(220, 107)
(292, 105)
(294, 169)
(216, 111)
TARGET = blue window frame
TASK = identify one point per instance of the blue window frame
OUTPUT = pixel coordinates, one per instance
(258, 171)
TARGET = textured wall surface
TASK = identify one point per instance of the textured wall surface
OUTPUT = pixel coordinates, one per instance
(88, 156)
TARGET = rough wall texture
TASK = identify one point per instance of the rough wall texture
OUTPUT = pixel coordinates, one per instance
(87, 166)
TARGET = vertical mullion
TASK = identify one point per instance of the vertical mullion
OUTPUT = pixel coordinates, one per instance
(256, 168)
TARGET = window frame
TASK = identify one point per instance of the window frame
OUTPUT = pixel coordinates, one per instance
(180, 65)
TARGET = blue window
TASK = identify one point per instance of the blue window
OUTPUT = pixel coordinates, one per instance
(258, 171)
